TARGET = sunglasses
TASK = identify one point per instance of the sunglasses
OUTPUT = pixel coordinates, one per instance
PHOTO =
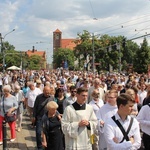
(73, 91)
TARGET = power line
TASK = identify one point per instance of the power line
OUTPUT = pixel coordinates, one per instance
(119, 24)
(94, 17)
(139, 37)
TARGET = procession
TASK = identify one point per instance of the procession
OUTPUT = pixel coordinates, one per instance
(74, 75)
(75, 109)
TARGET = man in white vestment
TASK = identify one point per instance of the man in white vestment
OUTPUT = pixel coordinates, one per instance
(144, 119)
(79, 123)
(105, 112)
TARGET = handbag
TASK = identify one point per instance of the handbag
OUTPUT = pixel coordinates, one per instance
(10, 118)
(6, 117)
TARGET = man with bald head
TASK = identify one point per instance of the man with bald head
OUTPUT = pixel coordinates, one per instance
(38, 112)
(96, 86)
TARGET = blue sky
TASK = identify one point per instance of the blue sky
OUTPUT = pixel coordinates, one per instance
(35, 20)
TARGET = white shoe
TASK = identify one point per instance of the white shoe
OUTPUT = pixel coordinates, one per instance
(1, 143)
(12, 140)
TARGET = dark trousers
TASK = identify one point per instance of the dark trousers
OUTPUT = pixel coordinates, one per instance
(146, 141)
(38, 134)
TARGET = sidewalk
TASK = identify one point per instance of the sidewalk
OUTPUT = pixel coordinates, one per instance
(25, 139)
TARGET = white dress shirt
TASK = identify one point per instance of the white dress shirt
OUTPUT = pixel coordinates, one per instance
(31, 96)
(144, 118)
(111, 130)
(142, 95)
(105, 112)
(96, 105)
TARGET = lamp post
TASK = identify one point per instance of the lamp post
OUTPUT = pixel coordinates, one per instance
(2, 47)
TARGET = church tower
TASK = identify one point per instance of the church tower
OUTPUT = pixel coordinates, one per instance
(56, 40)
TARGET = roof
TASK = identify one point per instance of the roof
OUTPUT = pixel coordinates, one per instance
(68, 43)
(57, 31)
(35, 52)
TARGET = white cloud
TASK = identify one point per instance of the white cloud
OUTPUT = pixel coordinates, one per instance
(35, 20)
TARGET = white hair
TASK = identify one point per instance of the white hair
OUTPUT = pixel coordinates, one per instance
(17, 87)
(7, 87)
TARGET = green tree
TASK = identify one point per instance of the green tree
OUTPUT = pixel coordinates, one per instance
(63, 55)
(7, 46)
(129, 53)
(85, 44)
(108, 53)
(10, 58)
(107, 49)
(35, 62)
(142, 58)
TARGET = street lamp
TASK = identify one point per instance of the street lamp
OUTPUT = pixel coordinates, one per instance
(8, 33)
(2, 47)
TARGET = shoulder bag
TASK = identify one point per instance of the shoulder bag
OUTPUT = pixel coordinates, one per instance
(6, 117)
(122, 129)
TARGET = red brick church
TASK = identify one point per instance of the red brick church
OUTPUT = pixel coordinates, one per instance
(59, 42)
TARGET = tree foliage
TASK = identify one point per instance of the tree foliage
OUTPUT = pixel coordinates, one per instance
(12, 57)
(142, 58)
(63, 55)
(35, 62)
(109, 50)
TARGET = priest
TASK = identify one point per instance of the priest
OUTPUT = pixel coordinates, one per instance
(79, 123)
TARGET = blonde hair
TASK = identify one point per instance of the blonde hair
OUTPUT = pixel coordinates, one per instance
(51, 105)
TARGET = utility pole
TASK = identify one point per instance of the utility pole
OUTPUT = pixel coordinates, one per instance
(118, 48)
(1, 42)
(21, 62)
(2, 47)
(93, 54)
(2, 50)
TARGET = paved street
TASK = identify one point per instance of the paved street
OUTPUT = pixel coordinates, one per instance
(25, 139)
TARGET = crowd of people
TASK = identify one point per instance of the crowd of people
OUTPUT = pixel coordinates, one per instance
(78, 110)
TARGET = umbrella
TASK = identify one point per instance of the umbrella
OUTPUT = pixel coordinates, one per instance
(13, 68)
